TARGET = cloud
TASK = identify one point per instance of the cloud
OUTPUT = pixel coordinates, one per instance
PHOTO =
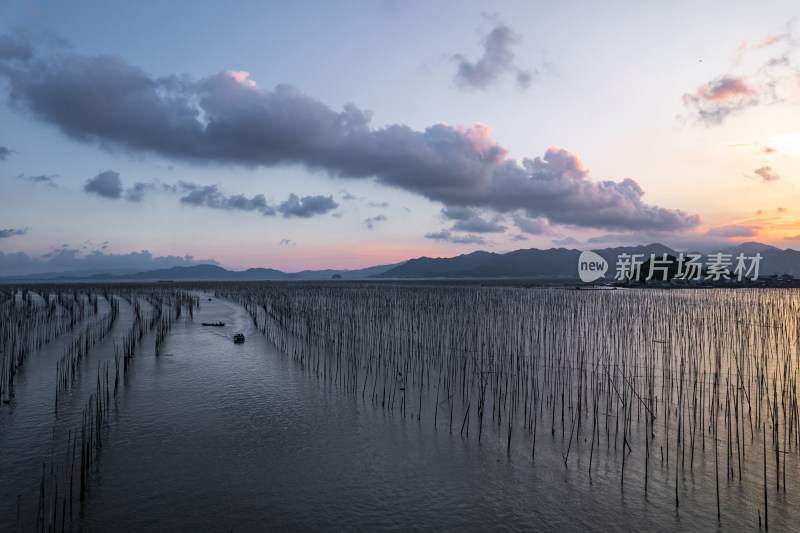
(469, 220)
(220, 120)
(478, 225)
(445, 235)
(566, 241)
(106, 184)
(557, 187)
(370, 222)
(45, 180)
(15, 47)
(5, 152)
(109, 185)
(497, 60)
(307, 206)
(136, 193)
(378, 204)
(766, 174)
(468, 239)
(6, 233)
(287, 242)
(347, 196)
(769, 40)
(65, 258)
(733, 230)
(536, 226)
(211, 197)
(724, 88)
(714, 101)
(774, 81)
(439, 235)
(519, 237)
(611, 237)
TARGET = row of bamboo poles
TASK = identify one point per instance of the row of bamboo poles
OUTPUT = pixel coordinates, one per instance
(67, 471)
(667, 374)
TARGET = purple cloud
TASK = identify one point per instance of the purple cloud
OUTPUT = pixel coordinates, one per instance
(497, 60)
(227, 119)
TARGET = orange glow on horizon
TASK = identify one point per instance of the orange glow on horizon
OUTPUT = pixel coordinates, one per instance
(295, 257)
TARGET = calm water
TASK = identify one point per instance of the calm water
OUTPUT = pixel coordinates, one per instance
(213, 436)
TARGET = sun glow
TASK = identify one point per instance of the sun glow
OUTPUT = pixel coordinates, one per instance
(788, 143)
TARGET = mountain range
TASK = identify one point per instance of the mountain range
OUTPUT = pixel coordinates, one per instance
(526, 263)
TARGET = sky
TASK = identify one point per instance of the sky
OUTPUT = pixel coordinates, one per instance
(312, 135)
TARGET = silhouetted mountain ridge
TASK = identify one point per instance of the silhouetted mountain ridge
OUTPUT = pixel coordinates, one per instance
(525, 263)
(563, 263)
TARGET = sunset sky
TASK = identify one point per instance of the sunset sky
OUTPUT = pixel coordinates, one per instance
(309, 135)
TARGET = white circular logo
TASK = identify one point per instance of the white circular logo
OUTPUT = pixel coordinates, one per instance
(591, 266)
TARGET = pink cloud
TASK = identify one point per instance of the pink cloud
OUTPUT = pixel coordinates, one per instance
(241, 77)
(768, 40)
(724, 88)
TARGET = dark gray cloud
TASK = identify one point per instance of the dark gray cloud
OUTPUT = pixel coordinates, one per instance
(5, 152)
(106, 184)
(210, 196)
(467, 219)
(566, 241)
(497, 61)
(137, 192)
(225, 119)
(458, 212)
(557, 187)
(445, 235)
(534, 226)
(6, 233)
(478, 225)
(765, 174)
(39, 180)
(66, 258)
(370, 222)
(307, 206)
(15, 47)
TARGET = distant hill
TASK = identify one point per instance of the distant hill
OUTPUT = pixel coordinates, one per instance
(451, 267)
(530, 263)
(209, 272)
(345, 274)
(562, 262)
(526, 263)
(205, 273)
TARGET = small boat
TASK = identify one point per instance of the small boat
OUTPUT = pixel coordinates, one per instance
(238, 338)
(217, 324)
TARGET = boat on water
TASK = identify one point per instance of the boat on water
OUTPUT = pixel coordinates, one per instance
(217, 324)
(238, 338)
